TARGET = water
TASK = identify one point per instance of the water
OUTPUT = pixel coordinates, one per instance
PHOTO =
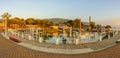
(53, 40)
(86, 38)
(91, 38)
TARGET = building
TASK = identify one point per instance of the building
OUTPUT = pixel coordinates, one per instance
(2, 26)
(14, 26)
(32, 26)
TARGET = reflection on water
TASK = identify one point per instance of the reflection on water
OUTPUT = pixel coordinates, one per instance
(82, 39)
(62, 38)
(53, 40)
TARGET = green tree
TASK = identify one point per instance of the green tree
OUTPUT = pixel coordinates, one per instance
(40, 23)
(50, 23)
(44, 23)
(98, 26)
(22, 23)
(15, 20)
(69, 23)
(30, 21)
(108, 26)
(93, 25)
(76, 23)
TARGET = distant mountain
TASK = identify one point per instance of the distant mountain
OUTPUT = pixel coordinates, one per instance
(57, 20)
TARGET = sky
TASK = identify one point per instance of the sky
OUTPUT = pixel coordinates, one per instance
(102, 11)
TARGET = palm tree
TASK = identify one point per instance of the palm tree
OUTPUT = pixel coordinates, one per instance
(6, 17)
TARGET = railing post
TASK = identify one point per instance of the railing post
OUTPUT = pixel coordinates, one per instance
(76, 41)
(29, 37)
(57, 40)
(22, 35)
(40, 39)
(108, 36)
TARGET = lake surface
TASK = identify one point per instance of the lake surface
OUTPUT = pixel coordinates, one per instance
(86, 39)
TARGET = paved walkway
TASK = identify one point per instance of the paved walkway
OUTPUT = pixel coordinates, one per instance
(67, 49)
(9, 49)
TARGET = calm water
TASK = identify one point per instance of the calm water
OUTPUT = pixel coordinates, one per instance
(90, 38)
(93, 37)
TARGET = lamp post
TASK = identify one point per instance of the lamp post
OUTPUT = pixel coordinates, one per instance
(6, 17)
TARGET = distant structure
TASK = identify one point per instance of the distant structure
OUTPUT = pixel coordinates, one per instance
(2, 26)
(90, 21)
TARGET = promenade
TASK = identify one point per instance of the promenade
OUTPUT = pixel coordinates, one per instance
(66, 48)
(9, 49)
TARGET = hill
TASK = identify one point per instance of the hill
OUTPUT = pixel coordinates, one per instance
(57, 20)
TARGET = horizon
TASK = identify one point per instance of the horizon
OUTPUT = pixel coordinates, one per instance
(105, 12)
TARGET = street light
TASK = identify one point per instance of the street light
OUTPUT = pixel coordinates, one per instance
(6, 17)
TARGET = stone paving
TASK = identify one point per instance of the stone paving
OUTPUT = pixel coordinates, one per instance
(9, 49)
(89, 47)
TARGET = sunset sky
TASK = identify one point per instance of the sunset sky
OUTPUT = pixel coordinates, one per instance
(102, 11)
